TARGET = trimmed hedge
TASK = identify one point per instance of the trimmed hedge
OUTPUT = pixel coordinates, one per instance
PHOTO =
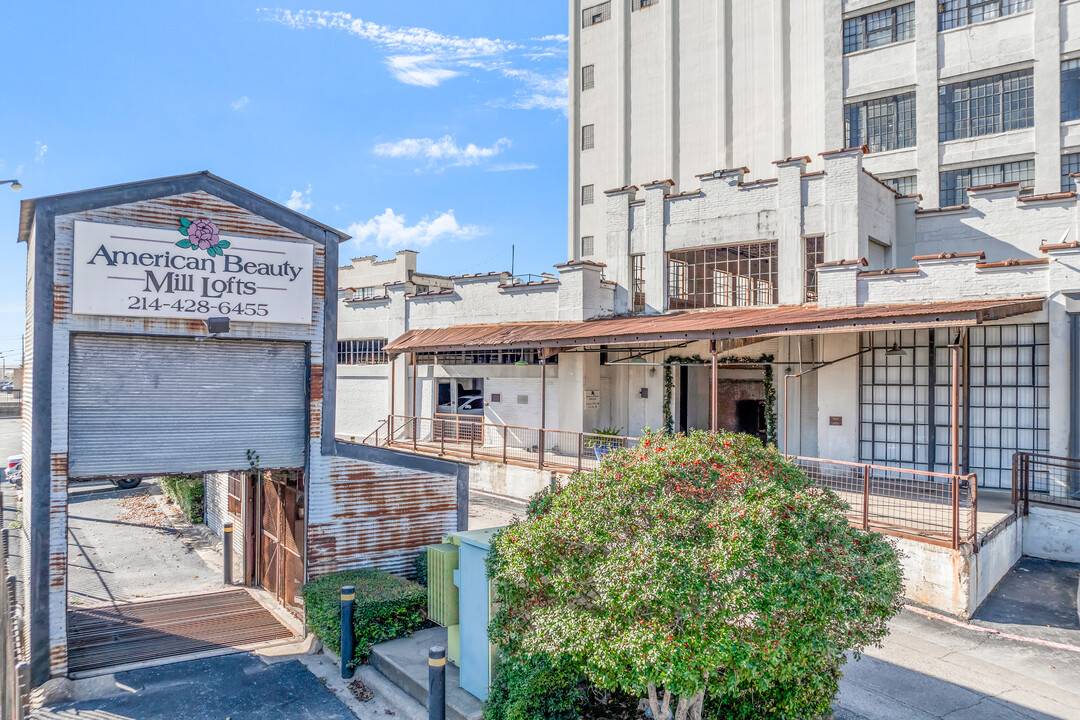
(536, 687)
(187, 492)
(386, 607)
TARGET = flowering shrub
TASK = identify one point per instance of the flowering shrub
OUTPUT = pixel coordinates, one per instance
(691, 565)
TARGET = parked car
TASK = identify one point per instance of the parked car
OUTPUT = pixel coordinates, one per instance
(13, 470)
(471, 405)
(7, 386)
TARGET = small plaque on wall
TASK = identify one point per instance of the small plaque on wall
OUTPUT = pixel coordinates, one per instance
(836, 420)
(496, 397)
(592, 399)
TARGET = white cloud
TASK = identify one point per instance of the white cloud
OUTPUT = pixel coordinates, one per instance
(443, 151)
(421, 70)
(300, 201)
(390, 230)
(40, 149)
(425, 58)
(511, 167)
(240, 103)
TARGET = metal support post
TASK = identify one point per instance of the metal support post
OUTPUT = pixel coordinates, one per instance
(954, 408)
(227, 549)
(348, 596)
(505, 428)
(866, 497)
(543, 406)
(437, 683)
(955, 512)
(713, 390)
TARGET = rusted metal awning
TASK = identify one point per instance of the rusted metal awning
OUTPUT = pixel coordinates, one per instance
(712, 324)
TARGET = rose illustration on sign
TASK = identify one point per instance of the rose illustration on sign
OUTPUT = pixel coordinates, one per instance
(201, 235)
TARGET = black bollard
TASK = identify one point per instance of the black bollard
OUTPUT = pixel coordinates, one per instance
(227, 542)
(436, 674)
(348, 595)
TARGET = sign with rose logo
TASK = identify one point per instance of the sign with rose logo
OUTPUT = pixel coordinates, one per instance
(190, 271)
(201, 235)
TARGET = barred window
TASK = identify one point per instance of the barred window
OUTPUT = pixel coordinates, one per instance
(588, 77)
(987, 105)
(906, 185)
(815, 255)
(1069, 164)
(588, 244)
(882, 124)
(586, 194)
(362, 352)
(879, 28)
(596, 14)
(637, 284)
(1070, 90)
(727, 276)
(957, 13)
(955, 183)
(638, 4)
(587, 140)
(483, 357)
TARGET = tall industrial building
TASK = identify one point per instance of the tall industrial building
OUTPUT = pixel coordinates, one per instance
(946, 95)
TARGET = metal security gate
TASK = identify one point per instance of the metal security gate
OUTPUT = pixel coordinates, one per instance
(148, 405)
(281, 536)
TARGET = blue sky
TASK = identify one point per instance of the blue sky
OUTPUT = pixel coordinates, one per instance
(428, 125)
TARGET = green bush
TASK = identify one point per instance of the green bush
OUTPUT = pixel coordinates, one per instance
(420, 568)
(386, 607)
(705, 565)
(187, 492)
(536, 687)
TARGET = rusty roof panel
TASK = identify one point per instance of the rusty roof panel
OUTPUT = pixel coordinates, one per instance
(715, 323)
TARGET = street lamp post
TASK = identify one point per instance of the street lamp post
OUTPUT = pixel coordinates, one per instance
(15, 184)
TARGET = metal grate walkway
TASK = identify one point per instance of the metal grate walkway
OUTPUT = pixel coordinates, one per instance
(135, 632)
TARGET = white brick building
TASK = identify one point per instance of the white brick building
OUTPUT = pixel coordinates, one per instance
(946, 94)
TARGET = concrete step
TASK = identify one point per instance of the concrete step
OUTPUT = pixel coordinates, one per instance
(404, 663)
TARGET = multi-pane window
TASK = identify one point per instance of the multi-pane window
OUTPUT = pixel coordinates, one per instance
(728, 276)
(587, 138)
(1070, 90)
(957, 13)
(483, 357)
(637, 283)
(596, 14)
(906, 185)
(361, 352)
(882, 124)
(638, 4)
(879, 28)
(586, 194)
(1069, 164)
(987, 105)
(367, 293)
(588, 245)
(588, 77)
(1008, 402)
(814, 256)
(955, 183)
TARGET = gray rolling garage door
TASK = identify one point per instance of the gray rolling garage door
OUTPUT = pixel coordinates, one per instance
(140, 405)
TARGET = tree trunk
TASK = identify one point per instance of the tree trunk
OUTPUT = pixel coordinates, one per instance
(690, 708)
(660, 711)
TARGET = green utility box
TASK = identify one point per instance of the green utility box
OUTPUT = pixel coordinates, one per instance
(442, 599)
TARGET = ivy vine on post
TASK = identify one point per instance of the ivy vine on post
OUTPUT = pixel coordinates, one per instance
(765, 360)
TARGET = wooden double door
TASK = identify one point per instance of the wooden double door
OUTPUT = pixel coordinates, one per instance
(280, 535)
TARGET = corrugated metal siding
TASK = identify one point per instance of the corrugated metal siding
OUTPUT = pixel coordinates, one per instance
(140, 405)
(371, 515)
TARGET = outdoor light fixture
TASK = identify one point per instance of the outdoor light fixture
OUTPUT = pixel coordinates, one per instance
(217, 325)
(895, 351)
(15, 184)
